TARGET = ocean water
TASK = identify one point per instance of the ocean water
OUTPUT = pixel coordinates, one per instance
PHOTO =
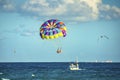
(59, 71)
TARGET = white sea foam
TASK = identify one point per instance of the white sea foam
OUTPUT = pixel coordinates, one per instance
(1, 73)
(82, 69)
(5, 79)
(33, 75)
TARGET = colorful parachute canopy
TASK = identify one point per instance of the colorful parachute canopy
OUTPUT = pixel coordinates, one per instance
(52, 29)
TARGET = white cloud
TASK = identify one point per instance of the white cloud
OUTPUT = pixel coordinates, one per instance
(77, 9)
(116, 10)
(103, 7)
(35, 5)
(42, 7)
(7, 5)
(69, 2)
(39, 2)
(93, 4)
(109, 12)
(69, 10)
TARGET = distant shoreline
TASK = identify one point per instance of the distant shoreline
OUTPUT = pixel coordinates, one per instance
(59, 62)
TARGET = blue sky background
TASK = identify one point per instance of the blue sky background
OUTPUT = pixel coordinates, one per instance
(86, 21)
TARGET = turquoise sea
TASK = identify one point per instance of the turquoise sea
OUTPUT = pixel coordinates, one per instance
(59, 71)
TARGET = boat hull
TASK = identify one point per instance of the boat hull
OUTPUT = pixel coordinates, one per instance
(74, 69)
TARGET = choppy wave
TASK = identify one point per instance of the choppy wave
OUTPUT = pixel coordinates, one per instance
(59, 71)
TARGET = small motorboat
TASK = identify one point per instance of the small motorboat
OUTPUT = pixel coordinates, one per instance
(74, 66)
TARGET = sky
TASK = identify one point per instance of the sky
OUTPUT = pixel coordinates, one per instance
(86, 22)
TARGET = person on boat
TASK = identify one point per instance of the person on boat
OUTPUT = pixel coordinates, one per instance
(59, 50)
